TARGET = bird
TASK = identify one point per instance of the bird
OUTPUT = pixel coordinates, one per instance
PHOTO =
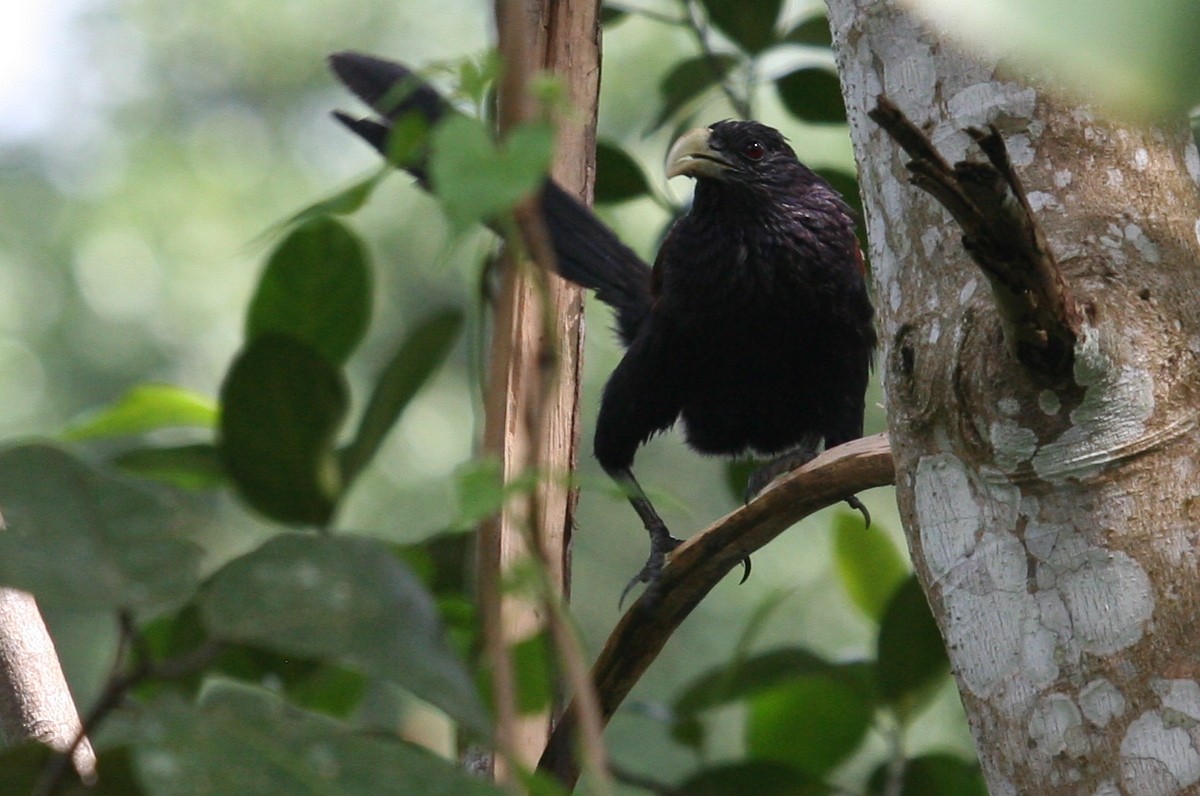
(753, 329)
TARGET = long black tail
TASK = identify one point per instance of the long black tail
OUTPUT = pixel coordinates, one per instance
(588, 252)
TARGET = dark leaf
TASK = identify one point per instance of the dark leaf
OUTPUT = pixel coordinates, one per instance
(911, 654)
(618, 176)
(766, 670)
(245, 740)
(419, 356)
(188, 466)
(611, 16)
(21, 769)
(688, 80)
(316, 288)
(749, 23)
(813, 31)
(844, 183)
(282, 404)
(81, 538)
(812, 723)
(933, 775)
(737, 474)
(147, 407)
(347, 599)
(814, 95)
(847, 185)
(758, 777)
(689, 731)
(868, 564)
(308, 682)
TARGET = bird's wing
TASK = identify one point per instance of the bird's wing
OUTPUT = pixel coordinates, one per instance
(588, 252)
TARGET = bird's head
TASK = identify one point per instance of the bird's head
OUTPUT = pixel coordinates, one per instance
(748, 153)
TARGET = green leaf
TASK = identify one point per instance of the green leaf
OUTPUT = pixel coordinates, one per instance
(618, 176)
(348, 599)
(534, 674)
(481, 491)
(282, 404)
(344, 202)
(478, 180)
(911, 656)
(81, 538)
(723, 684)
(758, 777)
(316, 288)
(418, 358)
(749, 23)
(812, 723)
(737, 475)
(813, 94)
(689, 79)
(319, 685)
(187, 466)
(868, 563)
(813, 32)
(933, 775)
(245, 740)
(147, 407)
(479, 486)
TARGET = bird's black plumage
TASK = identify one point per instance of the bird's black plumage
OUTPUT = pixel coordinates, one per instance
(753, 327)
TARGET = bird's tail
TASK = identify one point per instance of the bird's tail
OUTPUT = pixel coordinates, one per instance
(588, 253)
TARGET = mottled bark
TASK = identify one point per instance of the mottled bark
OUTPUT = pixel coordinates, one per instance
(1053, 527)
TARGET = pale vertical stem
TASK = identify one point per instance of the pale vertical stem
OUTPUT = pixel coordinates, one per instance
(35, 702)
(532, 401)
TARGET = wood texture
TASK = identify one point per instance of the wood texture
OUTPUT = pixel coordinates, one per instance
(703, 560)
(532, 401)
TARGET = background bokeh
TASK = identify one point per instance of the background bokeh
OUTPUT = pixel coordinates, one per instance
(149, 150)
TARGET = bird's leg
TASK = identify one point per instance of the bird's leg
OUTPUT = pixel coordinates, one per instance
(661, 540)
(784, 463)
(787, 462)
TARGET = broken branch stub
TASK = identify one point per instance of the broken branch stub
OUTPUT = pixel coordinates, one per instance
(1040, 316)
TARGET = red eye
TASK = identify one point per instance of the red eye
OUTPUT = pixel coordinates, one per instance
(754, 150)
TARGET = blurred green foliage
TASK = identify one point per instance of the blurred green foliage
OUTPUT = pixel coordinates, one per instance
(216, 384)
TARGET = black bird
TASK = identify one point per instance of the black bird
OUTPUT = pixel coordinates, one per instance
(753, 326)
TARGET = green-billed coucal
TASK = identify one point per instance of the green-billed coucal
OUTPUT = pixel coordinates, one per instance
(753, 326)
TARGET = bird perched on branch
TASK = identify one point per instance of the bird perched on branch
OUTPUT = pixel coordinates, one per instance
(753, 326)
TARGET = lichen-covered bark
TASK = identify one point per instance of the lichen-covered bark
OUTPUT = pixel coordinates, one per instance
(1055, 530)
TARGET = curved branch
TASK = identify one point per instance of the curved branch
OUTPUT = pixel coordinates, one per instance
(701, 562)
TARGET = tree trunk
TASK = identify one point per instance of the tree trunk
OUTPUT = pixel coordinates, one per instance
(1053, 525)
(532, 422)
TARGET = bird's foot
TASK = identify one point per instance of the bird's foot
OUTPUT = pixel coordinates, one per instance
(661, 545)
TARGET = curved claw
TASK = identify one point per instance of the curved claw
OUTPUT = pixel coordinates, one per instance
(855, 503)
(745, 570)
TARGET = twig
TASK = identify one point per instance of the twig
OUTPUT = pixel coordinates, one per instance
(1041, 318)
(702, 561)
(741, 104)
(119, 684)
